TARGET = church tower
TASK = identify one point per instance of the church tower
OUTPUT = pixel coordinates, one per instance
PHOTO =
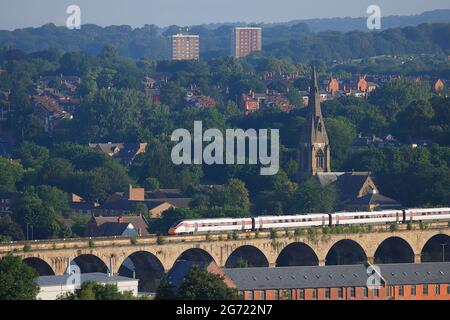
(314, 148)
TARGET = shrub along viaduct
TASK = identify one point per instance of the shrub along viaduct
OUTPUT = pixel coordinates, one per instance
(149, 258)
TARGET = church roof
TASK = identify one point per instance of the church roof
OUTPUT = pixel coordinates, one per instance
(348, 182)
(375, 199)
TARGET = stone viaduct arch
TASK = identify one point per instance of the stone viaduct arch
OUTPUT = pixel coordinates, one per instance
(283, 251)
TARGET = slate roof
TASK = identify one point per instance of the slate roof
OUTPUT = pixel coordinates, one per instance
(376, 199)
(336, 276)
(48, 281)
(298, 277)
(112, 229)
(422, 273)
(138, 222)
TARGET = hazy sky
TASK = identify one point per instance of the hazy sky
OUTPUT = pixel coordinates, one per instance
(26, 13)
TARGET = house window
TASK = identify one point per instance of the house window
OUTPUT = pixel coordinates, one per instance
(401, 291)
(340, 293)
(250, 295)
(437, 289)
(448, 289)
(302, 294)
(413, 290)
(328, 293)
(425, 289)
(276, 295)
(315, 293)
(390, 291)
(263, 295)
(353, 292)
(366, 292)
(376, 292)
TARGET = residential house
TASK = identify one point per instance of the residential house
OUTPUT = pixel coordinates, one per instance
(79, 205)
(278, 101)
(122, 226)
(249, 103)
(50, 112)
(125, 153)
(7, 200)
(438, 86)
(123, 203)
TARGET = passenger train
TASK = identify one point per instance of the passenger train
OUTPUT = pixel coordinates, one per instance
(310, 220)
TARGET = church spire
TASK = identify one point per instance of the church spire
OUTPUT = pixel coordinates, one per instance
(314, 94)
(314, 149)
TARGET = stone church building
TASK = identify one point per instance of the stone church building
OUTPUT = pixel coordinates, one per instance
(356, 190)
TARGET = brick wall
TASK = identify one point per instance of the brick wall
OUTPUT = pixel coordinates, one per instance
(441, 292)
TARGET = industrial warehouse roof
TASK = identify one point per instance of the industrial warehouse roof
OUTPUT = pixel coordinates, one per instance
(416, 273)
(336, 276)
(50, 281)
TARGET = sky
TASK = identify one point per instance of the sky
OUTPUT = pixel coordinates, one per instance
(136, 13)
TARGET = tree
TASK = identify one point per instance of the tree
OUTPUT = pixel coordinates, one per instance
(9, 230)
(342, 133)
(395, 95)
(10, 174)
(91, 290)
(413, 122)
(198, 284)
(234, 194)
(17, 280)
(172, 95)
(30, 211)
(55, 198)
(32, 155)
(313, 198)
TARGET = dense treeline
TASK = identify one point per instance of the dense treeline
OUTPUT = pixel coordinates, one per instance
(295, 43)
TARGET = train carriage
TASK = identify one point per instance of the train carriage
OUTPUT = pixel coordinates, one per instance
(375, 217)
(433, 214)
(297, 221)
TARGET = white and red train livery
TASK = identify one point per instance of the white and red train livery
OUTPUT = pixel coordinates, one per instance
(309, 220)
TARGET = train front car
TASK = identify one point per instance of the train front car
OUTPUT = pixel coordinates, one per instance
(179, 227)
(366, 218)
(211, 225)
(433, 214)
(297, 221)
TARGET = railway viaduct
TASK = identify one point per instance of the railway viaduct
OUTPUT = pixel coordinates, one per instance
(149, 258)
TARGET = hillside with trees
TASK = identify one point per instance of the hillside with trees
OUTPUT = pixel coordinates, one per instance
(292, 42)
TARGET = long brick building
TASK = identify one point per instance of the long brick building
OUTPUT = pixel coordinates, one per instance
(426, 281)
